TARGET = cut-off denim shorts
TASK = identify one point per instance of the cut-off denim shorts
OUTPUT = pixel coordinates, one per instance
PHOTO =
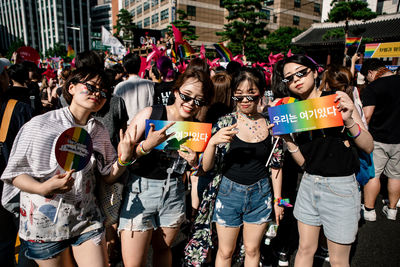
(149, 204)
(333, 202)
(48, 250)
(238, 203)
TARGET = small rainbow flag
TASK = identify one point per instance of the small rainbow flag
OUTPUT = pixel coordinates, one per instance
(370, 49)
(70, 52)
(223, 52)
(185, 50)
(353, 41)
(306, 115)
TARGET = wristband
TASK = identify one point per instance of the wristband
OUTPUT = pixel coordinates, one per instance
(351, 126)
(194, 170)
(358, 134)
(293, 151)
(283, 202)
(142, 150)
(125, 163)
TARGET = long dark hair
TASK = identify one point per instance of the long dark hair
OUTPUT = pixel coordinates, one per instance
(279, 88)
(253, 76)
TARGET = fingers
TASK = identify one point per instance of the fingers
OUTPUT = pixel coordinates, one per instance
(269, 126)
(166, 127)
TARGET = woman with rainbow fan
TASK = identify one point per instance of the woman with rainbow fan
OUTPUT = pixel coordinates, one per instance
(241, 147)
(59, 218)
(329, 195)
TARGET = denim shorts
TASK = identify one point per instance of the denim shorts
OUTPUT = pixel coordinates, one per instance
(238, 203)
(147, 205)
(333, 202)
(48, 250)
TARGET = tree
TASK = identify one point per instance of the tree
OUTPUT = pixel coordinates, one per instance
(125, 27)
(59, 50)
(281, 40)
(246, 28)
(14, 47)
(188, 31)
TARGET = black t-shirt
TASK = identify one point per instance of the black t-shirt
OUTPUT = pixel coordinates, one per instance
(384, 94)
(162, 93)
(245, 162)
(325, 153)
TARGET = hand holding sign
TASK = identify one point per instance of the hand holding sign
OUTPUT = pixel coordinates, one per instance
(59, 183)
(154, 138)
(345, 105)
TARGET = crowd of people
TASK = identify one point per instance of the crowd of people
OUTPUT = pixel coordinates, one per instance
(132, 196)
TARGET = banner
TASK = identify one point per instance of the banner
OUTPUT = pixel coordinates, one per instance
(311, 114)
(27, 53)
(194, 135)
(378, 50)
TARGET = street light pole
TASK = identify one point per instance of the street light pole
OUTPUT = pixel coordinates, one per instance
(77, 28)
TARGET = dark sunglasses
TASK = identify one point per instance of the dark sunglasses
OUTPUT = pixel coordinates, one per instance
(250, 98)
(93, 89)
(299, 74)
(197, 102)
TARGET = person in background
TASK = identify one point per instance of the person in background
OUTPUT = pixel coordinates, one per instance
(381, 106)
(163, 89)
(137, 93)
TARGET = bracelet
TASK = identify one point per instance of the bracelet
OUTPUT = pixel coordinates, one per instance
(293, 151)
(125, 163)
(142, 150)
(194, 170)
(357, 135)
(351, 126)
(283, 202)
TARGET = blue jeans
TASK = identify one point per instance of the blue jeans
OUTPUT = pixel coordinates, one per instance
(238, 203)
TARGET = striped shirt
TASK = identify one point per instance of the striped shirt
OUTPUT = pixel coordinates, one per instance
(33, 153)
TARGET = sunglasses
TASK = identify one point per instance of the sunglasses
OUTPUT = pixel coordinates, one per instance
(197, 102)
(93, 89)
(250, 98)
(299, 74)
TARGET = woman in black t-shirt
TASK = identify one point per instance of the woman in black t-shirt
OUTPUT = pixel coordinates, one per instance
(329, 195)
(244, 196)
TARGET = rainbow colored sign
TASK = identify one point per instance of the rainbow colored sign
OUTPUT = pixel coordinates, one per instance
(194, 135)
(74, 148)
(317, 113)
(378, 50)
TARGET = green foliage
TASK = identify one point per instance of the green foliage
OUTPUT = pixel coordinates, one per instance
(188, 31)
(350, 10)
(125, 27)
(333, 34)
(14, 47)
(246, 28)
(281, 40)
(59, 50)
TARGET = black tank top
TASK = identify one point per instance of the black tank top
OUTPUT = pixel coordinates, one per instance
(325, 153)
(155, 164)
(245, 162)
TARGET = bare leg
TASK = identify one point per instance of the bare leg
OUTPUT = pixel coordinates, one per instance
(134, 246)
(371, 191)
(339, 254)
(394, 192)
(64, 259)
(308, 244)
(227, 237)
(91, 254)
(161, 242)
(252, 235)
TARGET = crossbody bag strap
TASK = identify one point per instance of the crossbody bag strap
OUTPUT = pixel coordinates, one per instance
(5, 123)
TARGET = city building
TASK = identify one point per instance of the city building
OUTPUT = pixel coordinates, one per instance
(43, 23)
(101, 16)
(378, 6)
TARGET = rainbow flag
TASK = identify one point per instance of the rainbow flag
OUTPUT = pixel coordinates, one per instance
(70, 52)
(353, 41)
(307, 115)
(185, 50)
(223, 52)
(370, 49)
(194, 135)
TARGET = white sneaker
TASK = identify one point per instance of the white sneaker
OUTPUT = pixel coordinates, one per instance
(368, 215)
(390, 213)
(398, 203)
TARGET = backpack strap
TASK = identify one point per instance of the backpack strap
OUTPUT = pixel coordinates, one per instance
(5, 123)
(157, 112)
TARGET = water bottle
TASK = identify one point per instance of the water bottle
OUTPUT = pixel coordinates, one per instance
(271, 232)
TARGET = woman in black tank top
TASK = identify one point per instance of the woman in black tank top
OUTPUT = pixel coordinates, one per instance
(328, 195)
(146, 216)
(244, 196)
